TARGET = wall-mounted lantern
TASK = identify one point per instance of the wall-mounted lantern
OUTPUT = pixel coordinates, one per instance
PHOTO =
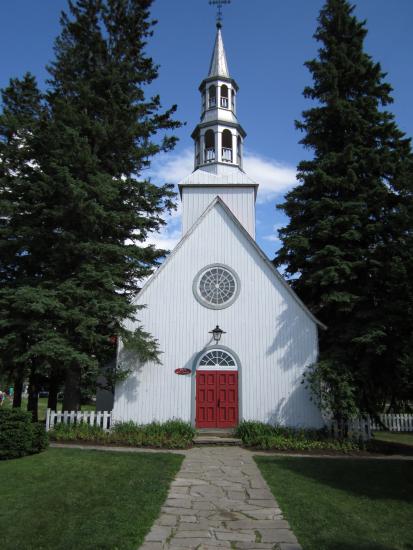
(217, 333)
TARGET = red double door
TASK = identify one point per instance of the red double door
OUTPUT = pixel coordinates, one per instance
(216, 399)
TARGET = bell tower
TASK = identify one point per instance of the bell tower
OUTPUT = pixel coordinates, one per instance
(219, 140)
(219, 136)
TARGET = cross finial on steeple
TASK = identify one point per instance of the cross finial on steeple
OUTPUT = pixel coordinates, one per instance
(219, 4)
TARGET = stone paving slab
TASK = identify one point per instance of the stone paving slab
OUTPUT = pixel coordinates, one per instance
(220, 500)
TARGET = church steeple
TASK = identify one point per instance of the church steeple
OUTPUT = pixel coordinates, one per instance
(218, 65)
(219, 136)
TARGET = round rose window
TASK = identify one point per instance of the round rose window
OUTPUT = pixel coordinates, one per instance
(216, 286)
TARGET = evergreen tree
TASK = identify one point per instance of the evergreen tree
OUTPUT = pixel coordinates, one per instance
(348, 247)
(92, 206)
(21, 323)
(98, 142)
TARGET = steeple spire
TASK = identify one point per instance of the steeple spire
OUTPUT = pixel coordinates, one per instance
(219, 136)
(218, 65)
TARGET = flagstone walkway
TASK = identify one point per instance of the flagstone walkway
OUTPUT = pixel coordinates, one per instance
(220, 500)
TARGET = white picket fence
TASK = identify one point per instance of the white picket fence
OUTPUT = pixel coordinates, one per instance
(362, 428)
(394, 422)
(357, 428)
(101, 419)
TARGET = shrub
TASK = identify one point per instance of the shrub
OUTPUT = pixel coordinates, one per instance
(40, 441)
(173, 434)
(78, 432)
(18, 436)
(268, 437)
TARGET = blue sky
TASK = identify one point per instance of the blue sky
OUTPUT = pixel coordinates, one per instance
(267, 43)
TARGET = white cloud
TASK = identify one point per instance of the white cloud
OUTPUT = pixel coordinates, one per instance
(273, 237)
(274, 177)
(172, 167)
(166, 239)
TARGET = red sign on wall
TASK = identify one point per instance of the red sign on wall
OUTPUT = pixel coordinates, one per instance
(182, 371)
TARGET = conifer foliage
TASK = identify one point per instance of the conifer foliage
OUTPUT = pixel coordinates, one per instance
(90, 207)
(348, 247)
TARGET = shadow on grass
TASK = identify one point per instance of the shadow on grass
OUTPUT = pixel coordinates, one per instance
(375, 479)
(390, 447)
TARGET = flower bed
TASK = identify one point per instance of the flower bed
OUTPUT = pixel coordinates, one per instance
(267, 437)
(173, 434)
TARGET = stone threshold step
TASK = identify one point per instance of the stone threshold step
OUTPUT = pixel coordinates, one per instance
(207, 432)
(216, 440)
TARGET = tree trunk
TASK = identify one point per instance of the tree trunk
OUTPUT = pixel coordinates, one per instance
(18, 390)
(53, 390)
(71, 399)
(33, 402)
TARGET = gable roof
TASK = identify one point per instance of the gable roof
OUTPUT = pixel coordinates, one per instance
(222, 177)
(218, 201)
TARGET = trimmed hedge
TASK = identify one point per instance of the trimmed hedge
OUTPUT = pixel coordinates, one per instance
(267, 437)
(19, 436)
(173, 434)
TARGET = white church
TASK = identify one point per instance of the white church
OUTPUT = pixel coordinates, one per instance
(235, 338)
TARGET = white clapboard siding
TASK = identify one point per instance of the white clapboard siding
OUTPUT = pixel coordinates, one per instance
(240, 200)
(271, 334)
(102, 419)
(394, 423)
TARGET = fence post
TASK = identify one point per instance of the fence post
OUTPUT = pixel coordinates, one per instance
(47, 419)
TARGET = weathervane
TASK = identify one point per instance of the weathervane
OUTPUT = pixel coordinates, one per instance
(219, 4)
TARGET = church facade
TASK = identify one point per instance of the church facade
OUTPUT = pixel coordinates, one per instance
(235, 338)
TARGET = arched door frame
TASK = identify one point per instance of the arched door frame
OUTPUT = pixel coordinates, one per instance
(193, 378)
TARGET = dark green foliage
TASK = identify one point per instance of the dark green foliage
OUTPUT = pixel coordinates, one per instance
(78, 432)
(348, 247)
(173, 434)
(280, 438)
(18, 436)
(40, 438)
(79, 213)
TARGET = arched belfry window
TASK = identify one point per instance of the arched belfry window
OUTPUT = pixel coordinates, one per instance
(209, 154)
(239, 151)
(226, 146)
(212, 91)
(224, 97)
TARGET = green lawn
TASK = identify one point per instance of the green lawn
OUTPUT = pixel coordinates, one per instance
(344, 504)
(66, 499)
(403, 438)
